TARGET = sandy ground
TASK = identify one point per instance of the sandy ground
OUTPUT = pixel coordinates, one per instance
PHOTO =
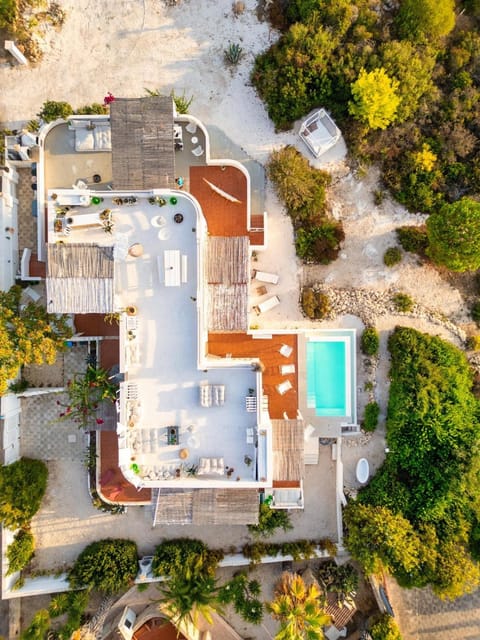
(125, 46)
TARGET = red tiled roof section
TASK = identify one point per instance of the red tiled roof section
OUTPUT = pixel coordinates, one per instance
(241, 345)
(114, 486)
(37, 269)
(157, 629)
(224, 218)
(94, 324)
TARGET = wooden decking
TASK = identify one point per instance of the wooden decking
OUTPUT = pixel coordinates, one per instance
(114, 486)
(241, 345)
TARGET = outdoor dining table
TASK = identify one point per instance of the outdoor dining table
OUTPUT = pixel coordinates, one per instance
(171, 259)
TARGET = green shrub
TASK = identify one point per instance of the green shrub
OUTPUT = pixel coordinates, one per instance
(315, 304)
(182, 103)
(402, 302)
(8, 14)
(269, 521)
(385, 628)
(233, 53)
(92, 109)
(20, 551)
(172, 556)
(392, 256)
(475, 312)
(106, 565)
(299, 186)
(413, 239)
(22, 487)
(320, 243)
(52, 110)
(370, 420)
(370, 341)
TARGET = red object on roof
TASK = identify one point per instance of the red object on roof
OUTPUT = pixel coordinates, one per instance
(109, 98)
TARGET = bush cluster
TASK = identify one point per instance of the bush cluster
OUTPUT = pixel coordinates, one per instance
(418, 518)
(315, 304)
(269, 520)
(22, 487)
(298, 549)
(392, 256)
(403, 94)
(172, 556)
(302, 189)
(370, 420)
(413, 239)
(370, 341)
(20, 551)
(402, 302)
(107, 565)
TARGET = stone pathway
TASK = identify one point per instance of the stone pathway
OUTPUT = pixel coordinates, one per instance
(41, 434)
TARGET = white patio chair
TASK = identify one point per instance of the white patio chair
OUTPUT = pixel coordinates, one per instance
(283, 387)
(198, 151)
(191, 128)
(287, 369)
(286, 350)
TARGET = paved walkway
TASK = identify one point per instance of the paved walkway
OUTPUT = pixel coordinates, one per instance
(41, 434)
(423, 616)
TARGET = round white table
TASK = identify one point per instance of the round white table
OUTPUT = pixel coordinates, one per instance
(194, 140)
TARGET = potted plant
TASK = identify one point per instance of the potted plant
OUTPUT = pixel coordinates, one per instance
(131, 310)
(108, 226)
(105, 214)
(117, 201)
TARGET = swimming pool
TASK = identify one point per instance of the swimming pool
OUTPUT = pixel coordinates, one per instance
(328, 376)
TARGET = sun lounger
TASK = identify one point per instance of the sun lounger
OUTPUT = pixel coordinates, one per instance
(287, 369)
(206, 399)
(283, 387)
(286, 350)
(266, 305)
(211, 465)
(264, 276)
(219, 394)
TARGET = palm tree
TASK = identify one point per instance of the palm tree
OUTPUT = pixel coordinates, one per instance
(189, 594)
(298, 608)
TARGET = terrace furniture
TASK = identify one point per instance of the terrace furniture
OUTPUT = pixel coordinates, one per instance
(191, 128)
(283, 387)
(250, 436)
(287, 369)
(262, 291)
(194, 139)
(206, 395)
(265, 276)
(219, 394)
(286, 350)
(184, 268)
(211, 466)
(91, 135)
(171, 260)
(84, 220)
(172, 435)
(193, 442)
(266, 305)
(198, 151)
(158, 221)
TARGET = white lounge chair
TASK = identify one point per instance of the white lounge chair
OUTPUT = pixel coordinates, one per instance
(266, 305)
(264, 276)
(206, 395)
(286, 350)
(287, 369)
(283, 387)
(219, 394)
(198, 151)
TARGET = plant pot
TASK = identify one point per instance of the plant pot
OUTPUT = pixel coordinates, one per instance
(173, 200)
(131, 310)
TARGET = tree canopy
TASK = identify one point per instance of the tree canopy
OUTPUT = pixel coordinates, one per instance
(454, 235)
(22, 487)
(425, 19)
(375, 98)
(28, 334)
(298, 608)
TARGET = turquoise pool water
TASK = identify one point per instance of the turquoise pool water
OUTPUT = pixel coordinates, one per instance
(326, 377)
